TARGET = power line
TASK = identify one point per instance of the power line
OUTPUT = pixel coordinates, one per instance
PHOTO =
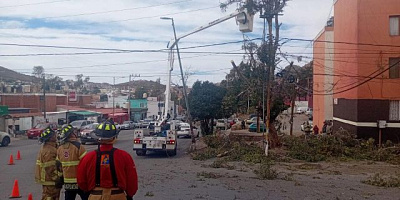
(31, 4)
(120, 10)
(363, 82)
(348, 43)
(167, 14)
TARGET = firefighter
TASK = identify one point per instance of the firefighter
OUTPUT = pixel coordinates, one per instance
(70, 153)
(48, 172)
(108, 173)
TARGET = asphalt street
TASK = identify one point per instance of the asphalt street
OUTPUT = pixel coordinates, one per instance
(23, 170)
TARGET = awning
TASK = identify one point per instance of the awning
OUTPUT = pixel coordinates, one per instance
(83, 113)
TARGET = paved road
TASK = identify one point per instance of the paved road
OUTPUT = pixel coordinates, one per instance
(23, 170)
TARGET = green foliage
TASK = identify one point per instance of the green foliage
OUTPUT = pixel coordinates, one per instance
(317, 149)
(380, 181)
(265, 171)
(205, 100)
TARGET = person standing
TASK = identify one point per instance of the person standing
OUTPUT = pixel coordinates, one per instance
(70, 153)
(316, 130)
(47, 170)
(108, 173)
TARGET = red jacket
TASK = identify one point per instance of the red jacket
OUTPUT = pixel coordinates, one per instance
(124, 167)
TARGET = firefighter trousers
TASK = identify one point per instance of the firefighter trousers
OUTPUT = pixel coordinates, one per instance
(50, 192)
(107, 194)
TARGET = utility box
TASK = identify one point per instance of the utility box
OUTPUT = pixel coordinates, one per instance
(245, 21)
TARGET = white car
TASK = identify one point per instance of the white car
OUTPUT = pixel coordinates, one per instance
(184, 131)
(222, 124)
(5, 139)
(301, 110)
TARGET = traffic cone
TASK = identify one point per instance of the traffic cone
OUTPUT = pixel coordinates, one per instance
(11, 162)
(15, 191)
(18, 155)
(30, 196)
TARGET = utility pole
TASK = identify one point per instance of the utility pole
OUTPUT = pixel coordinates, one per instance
(292, 109)
(129, 88)
(129, 97)
(113, 95)
(44, 98)
(183, 82)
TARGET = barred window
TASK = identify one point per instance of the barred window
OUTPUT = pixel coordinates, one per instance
(394, 113)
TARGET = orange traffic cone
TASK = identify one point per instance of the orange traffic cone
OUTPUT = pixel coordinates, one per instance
(30, 196)
(18, 155)
(15, 191)
(11, 162)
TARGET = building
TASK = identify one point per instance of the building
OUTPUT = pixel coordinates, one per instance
(357, 70)
(156, 107)
(34, 101)
(138, 109)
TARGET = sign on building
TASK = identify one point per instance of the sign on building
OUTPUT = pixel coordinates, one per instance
(72, 96)
(3, 110)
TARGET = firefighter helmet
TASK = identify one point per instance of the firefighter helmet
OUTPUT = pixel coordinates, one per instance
(46, 135)
(66, 132)
(106, 130)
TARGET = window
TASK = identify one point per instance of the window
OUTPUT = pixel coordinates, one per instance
(394, 113)
(394, 22)
(394, 64)
(142, 105)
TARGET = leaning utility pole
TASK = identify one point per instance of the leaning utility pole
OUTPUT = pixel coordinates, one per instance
(113, 96)
(44, 98)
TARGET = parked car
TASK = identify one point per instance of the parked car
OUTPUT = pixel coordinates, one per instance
(37, 130)
(127, 125)
(5, 139)
(222, 124)
(78, 124)
(253, 127)
(252, 120)
(301, 110)
(87, 133)
(184, 131)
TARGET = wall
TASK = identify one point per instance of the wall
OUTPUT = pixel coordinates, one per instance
(135, 103)
(346, 56)
(319, 80)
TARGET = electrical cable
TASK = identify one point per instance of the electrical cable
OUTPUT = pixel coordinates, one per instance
(31, 4)
(121, 10)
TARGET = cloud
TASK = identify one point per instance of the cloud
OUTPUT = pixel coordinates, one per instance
(52, 24)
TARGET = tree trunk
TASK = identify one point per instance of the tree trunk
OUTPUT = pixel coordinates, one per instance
(273, 139)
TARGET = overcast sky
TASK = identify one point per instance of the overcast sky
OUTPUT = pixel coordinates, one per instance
(136, 25)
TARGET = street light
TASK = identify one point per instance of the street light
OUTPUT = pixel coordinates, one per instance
(183, 79)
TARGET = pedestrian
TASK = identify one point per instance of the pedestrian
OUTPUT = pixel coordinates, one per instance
(108, 173)
(48, 170)
(10, 130)
(316, 130)
(70, 153)
(243, 125)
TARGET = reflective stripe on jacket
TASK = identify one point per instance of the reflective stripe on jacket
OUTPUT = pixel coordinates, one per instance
(69, 154)
(46, 171)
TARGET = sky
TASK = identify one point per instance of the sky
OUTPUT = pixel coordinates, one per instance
(135, 25)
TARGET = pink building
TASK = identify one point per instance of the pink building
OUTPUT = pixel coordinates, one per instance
(357, 70)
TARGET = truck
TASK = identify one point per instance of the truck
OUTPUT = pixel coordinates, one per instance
(164, 137)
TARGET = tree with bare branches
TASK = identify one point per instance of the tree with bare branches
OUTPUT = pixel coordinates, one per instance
(269, 10)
